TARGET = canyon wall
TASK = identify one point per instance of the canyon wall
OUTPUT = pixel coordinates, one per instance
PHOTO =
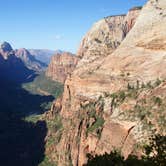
(61, 65)
(109, 99)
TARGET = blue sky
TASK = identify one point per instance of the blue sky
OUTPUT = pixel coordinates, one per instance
(54, 24)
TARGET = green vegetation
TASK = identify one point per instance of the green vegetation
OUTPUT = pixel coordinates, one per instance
(46, 105)
(157, 100)
(32, 118)
(46, 162)
(44, 86)
(94, 110)
(55, 124)
(158, 82)
(148, 110)
(56, 128)
(98, 125)
(155, 155)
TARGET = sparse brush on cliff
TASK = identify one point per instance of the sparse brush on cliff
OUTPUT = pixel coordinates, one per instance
(97, 126)
(94, 111)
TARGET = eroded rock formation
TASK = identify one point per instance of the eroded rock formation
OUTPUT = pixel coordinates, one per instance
(61, 65)
(109, 101)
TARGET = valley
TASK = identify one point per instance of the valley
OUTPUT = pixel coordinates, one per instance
(24, 93)
(103, 106)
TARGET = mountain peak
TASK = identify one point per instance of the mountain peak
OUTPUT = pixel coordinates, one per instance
(6, 47)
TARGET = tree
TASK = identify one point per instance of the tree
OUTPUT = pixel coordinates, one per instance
(155, 155)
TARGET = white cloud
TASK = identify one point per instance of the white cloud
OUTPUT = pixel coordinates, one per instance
(58, 37)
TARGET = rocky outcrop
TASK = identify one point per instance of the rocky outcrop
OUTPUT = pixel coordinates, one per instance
(61, 66)
(114, 102)
(103, 38)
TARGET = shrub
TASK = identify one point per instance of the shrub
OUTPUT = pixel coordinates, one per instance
(156, 150)
(112, 159)
(96, 126)
(149, 85)
(122, 96)
(157, 100)
(158, 82)
(155, 155)
(98, 41)
(99, 123)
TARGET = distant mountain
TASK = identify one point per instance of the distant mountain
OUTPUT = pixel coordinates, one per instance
(24, 55)
(6, 50)
(11, 67)
(29, 60)
(43, 55)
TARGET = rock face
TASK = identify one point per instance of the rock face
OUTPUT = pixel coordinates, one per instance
(30, 60)
(104, 37)
(109, 101)
(61, 65)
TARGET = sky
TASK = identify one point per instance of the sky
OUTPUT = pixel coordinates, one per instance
(54, 24)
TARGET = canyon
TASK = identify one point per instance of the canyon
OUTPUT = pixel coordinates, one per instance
(114, 98)
(58, 108)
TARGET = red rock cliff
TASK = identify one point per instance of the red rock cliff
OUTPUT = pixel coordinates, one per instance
(99, 112)
(61, 65)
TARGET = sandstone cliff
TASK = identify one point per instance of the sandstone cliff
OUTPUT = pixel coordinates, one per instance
(115, 97)
(103, 38)
(61, 65)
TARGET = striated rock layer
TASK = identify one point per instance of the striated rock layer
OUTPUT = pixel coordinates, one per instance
(61, 65)
(109, 101)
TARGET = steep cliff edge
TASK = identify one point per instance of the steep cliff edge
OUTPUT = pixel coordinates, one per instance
(115, 97)
(103, 38)
(61, 65)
